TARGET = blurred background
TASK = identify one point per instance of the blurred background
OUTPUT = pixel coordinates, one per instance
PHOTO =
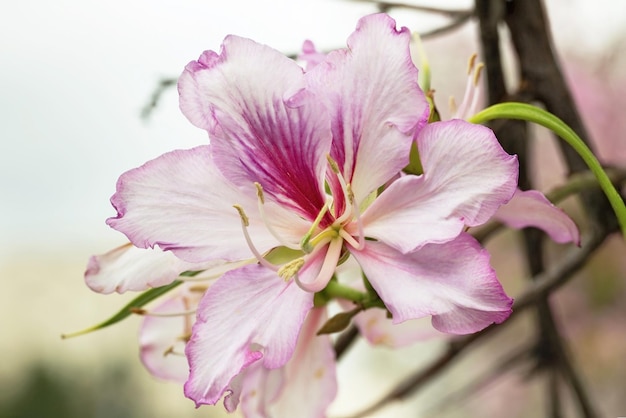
(74, 77)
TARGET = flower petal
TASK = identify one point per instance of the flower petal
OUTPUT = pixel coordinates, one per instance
(264, 128)
(249, 315)
(304, 387)
(375, 102)
(161, 339)
(379, 330)
(532, 208)
(453, 282)
(181, 202)
(310, 376)
(131, 268)
(310, 55)
(467, 176)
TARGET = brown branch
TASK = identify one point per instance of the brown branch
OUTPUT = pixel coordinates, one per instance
(345, 341)
(543, 285)
(542, 80)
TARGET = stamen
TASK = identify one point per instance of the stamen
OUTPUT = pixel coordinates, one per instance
(244, 224)
(333, 164)
(304, 243)
(471, 62)
(268, 225)
(477, 72)
(287, 271)
(327, 270)
(470, 98)
(349, 198)
(214, 273)
(473, 107)
(144, 312)
(349, 239)
(171, 351)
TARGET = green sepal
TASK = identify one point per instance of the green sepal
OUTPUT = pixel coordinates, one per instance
(126, 311)
(529, 113)
(415, 164)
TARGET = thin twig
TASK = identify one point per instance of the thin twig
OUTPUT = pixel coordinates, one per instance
(514, 359)
(544, 284)
(345, 341)
(163, 85)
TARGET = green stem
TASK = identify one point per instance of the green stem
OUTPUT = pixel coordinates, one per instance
(336, 290)
(523, 111)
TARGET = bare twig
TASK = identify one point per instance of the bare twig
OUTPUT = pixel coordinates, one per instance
(543, 285)
(345, 341)
(163, 85)
(515, 359)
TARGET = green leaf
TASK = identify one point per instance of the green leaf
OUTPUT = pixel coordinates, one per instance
(127, 310)
(339, 322)
(523, 111)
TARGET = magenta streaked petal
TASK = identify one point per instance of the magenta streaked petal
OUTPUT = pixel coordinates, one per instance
(532, 208)
(131, 268)
(375, 102)
(161, 339)
(181, 202)
(263, 126)
(249, 315)
(452, 282)
(467, 177)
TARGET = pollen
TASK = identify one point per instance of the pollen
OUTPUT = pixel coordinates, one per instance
(290, 269)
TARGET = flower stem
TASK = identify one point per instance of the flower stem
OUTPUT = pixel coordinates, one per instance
(335, 290)
(523, 111)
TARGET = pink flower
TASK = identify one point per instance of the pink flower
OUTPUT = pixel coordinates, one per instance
(302, 172)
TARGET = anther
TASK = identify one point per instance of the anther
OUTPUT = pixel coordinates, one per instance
(477, 72)
(333, 164)
(304, 243)
(242, 214)
(471, 62)
(244, 224)
(290, 269)
(259, 192)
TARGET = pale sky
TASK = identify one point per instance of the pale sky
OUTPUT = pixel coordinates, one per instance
(75, 74)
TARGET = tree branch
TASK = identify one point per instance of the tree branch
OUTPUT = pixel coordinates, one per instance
(543, 285)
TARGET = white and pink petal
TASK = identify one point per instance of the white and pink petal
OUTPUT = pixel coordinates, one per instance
(467, 177)
(531, 208)
(304, 387)
(181, 202)
(452, 282)
(263, 126)
(375, 102)
(162, 338)
(248, 316)
(130, 268)
(378, 329)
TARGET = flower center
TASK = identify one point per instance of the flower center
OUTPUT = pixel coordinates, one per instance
(320, 249)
